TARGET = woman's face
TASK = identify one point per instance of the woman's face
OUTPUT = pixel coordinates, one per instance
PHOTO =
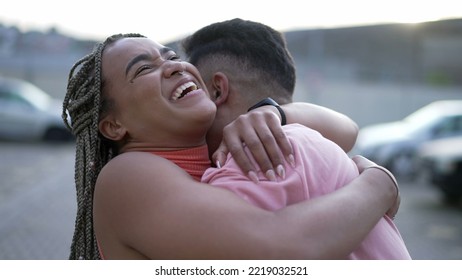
(159, 100)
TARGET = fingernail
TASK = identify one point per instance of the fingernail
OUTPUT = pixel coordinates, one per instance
(292, 160)
(281, 171)
(271, 175)
(218, 164)
(253, 176)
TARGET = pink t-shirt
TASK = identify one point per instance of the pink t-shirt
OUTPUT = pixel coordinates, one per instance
(321, 168)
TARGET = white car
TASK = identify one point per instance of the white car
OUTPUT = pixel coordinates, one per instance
(29, 114)
(441, 165)
(394, 145)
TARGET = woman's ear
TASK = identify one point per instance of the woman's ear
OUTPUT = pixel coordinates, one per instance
(220, 90)
(112, 129)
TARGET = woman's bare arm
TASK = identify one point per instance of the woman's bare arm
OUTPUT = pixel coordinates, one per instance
(151, 208)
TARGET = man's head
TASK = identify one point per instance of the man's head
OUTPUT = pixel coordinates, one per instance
(252, 47)
(241, 62)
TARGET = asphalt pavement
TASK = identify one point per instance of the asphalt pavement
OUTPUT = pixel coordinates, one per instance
(37, 201)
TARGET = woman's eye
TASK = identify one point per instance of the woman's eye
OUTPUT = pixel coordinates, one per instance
(175, 57)
(143, 69)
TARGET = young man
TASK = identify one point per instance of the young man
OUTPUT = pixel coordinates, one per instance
(242, 61)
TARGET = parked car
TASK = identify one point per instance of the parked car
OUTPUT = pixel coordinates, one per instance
(394, 145)
(441, 163)
(27, 113)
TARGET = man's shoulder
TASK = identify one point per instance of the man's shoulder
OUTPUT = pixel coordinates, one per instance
(297, 132)
(310, 142)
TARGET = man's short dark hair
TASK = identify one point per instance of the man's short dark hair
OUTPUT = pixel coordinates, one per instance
(250, 43)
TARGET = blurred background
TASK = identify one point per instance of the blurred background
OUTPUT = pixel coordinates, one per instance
(379, 72)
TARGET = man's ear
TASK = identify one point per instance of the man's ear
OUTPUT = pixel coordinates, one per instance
(220, 90)
(112, 129)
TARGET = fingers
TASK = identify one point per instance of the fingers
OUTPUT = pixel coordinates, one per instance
(394, 208)
(364, 164)
(242, 134)
(266, 151)
(219, 156)
(283, 146)
(262, 133)
(233, 144)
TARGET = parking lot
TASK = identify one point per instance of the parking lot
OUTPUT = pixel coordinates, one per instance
(37, 200)
(37, 206)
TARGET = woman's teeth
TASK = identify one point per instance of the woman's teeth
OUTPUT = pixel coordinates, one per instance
(182, 90)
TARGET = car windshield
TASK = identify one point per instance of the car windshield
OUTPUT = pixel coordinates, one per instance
(33, 95)
(430, 114)
(421, 119)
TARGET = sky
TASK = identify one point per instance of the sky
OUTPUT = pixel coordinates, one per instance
(165, 21)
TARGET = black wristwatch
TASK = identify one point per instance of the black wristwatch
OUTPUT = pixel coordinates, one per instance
(270, 101)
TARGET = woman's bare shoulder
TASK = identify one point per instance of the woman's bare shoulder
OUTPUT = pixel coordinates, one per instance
(130, 158)
(137, 162)
(138, 170)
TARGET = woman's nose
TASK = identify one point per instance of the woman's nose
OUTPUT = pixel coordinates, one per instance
(173, 68)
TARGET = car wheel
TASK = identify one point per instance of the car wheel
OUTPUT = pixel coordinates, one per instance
(451, 199)
(56, 134)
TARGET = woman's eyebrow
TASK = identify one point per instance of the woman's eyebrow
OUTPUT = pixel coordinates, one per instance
(141, 57)
(135, 60)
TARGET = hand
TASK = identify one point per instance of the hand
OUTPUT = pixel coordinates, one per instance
(260, 130)
(363, 164)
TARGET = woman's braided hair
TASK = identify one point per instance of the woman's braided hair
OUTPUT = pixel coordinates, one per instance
(83, 104)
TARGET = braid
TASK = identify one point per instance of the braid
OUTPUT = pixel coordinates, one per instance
(83, 105)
